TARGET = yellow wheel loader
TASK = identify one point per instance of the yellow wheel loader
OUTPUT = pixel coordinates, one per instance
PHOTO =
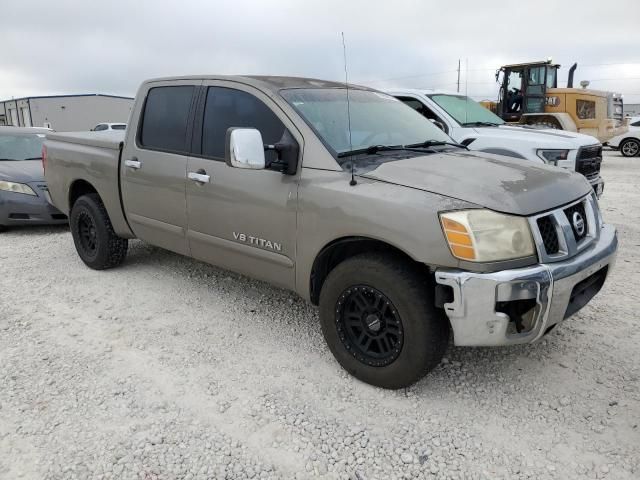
(529, 95)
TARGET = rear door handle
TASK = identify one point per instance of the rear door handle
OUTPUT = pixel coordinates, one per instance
(199, 177)
(133, 163)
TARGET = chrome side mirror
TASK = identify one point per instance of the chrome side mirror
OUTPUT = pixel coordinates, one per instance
(244, 148)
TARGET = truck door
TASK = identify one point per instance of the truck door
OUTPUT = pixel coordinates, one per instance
(243, 220)
(154, 165)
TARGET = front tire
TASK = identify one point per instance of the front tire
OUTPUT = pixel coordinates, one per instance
(379, 320)
(630, 147)
(96, 243)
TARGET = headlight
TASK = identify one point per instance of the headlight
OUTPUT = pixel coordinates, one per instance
(16, 187)
(552, 156)
(486, 236)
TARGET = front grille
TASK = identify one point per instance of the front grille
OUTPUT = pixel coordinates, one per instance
(576, 214)
(549, 235)
(589, 160)
(566, 231)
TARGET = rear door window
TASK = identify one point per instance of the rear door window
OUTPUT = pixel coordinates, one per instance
(226, 108)
(165, 118)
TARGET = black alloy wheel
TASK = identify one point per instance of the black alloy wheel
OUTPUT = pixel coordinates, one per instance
(378, 317)
(96, 242)
(87, 234)
(369, 325)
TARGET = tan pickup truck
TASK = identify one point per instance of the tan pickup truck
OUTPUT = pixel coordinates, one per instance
(349, 198)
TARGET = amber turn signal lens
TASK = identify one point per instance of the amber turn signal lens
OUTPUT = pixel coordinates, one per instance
(459, 239)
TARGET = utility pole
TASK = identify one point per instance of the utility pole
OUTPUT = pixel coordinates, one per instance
(458, 75)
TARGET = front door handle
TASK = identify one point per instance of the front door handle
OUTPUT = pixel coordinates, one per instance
(199, 177)
(133, 163)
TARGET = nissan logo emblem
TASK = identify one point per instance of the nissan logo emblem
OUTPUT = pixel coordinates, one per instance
(578, 223)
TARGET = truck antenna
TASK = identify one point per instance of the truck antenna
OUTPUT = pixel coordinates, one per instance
(466, 91)
(346, 85)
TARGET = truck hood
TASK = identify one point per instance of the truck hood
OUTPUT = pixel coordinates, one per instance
(538, 137)
(23, 171)
(507, 185)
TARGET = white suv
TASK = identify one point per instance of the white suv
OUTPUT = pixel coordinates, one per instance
(101, 127)
(628, 143)
(470, 124)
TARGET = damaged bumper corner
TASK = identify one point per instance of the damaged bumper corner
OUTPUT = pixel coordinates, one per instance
(555, 291)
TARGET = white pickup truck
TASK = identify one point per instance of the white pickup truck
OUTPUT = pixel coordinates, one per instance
(470, 124)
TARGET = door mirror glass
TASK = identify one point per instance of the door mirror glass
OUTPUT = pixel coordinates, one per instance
(244, 148)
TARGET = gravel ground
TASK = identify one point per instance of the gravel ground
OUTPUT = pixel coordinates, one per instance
(169, 368)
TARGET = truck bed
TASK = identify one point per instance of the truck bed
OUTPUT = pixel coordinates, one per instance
(78, 161)
(108, 139)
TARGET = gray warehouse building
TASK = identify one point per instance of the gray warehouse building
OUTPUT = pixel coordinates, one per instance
(632, 109)
(65, 113)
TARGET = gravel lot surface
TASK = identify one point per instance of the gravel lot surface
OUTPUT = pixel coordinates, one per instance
(169, 368)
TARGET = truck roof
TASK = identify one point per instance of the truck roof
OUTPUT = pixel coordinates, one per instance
(422, 91)
(273, 83)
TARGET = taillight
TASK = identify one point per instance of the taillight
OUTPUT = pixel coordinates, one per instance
(44, 158)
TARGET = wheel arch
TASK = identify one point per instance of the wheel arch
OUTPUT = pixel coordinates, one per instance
(340, 249)
(78, 188)
(115, 209)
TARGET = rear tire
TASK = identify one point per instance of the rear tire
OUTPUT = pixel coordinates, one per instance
(3, 228)
(630, 147)
(379, 320)
(96, 243)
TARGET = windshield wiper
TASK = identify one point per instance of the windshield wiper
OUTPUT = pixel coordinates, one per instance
(33, 158)
(481, 124)
(436, 143)
(415, 147)
(373, 149)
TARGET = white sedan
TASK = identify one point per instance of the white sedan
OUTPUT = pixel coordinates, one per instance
(628, 143)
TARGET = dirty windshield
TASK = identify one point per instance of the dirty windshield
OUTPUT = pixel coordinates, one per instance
(376, 119)
(466, 111)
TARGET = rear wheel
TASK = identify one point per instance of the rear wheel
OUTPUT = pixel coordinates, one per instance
(379, 320)
(630, 147)
(96, 243)
(3, 228)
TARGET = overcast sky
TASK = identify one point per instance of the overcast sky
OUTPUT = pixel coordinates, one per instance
(64, 46)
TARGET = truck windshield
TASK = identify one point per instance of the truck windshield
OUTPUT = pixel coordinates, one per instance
(466, 111)
(21, 147)
(376, 118)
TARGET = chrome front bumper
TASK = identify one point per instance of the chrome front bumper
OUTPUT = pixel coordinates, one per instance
(597, 184)
(472, 312)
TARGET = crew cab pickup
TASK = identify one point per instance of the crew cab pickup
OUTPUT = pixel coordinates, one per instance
(347, 197)
(471, 124)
